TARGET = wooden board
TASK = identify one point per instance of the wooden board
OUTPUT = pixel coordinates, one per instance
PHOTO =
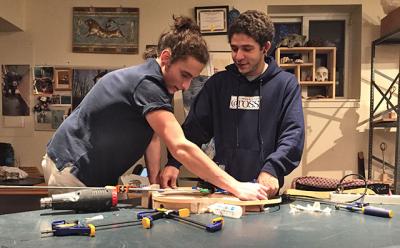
(198, 203)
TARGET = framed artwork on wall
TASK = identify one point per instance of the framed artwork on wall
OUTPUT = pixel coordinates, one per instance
(83, 81)
(50, 119)
(105, 30)
(14, 85)
(63, 79)
(43, 121)
(212, 20)
(43, 79)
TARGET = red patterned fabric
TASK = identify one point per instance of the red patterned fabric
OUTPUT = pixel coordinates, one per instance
(325, 184)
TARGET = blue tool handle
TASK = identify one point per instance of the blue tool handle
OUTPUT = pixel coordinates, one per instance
(214, 227)
(375, 211)
(64, 228)
(143, 214)
(152, 215)
(77, 230)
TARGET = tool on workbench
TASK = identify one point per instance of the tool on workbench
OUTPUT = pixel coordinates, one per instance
(86, 200)
(89, 199)
(119, 188)
(354, 207)
(64, 228)
(365, 209)
(68, 228)
(147, 217)
(215, 225)
(181, 215)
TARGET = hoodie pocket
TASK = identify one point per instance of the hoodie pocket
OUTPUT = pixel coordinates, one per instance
(243, 164)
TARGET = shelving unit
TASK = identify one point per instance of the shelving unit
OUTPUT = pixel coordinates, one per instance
(305, 70)
(374, 120)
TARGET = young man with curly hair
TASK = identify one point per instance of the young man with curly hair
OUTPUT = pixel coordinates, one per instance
(253, 110)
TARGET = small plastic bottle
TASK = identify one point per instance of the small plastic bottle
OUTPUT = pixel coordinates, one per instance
(227, 210)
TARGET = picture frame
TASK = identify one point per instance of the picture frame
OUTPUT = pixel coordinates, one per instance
(83, 81)
(15, 90)
(61, 100)
(105, 30)
(212, 20)
(65, 99)
(63, 79)
(217, 62)
(57, 117)
(43, 121)
(51, 119)
(43, 80)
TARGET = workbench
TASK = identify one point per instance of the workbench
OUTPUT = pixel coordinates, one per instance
(273, 228)
(18, 200)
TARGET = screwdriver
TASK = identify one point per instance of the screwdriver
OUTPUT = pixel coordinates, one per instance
(368, 210)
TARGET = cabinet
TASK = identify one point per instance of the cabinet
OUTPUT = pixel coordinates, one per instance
(310, 64)
(376, 115)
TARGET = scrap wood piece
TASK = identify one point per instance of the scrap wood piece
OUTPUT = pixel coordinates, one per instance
(325, 194)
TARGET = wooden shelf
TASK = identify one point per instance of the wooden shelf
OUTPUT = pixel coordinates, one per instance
(312, 57)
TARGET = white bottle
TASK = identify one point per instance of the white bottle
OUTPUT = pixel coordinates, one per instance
(227, 210)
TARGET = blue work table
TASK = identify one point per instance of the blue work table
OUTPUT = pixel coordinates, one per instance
(273, 228)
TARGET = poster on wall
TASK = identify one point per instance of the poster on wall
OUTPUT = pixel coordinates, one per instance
(15, 90)
(83, 81)
(105, 30)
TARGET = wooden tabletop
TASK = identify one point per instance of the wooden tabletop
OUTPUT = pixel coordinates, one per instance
(33, 173)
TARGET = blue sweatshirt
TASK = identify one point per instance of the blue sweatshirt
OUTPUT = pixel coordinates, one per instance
(257, 126)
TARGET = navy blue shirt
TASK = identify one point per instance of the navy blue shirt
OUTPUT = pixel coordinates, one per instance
(257, 125)
(108, 132)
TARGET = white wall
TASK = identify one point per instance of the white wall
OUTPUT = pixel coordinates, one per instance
(336, 130)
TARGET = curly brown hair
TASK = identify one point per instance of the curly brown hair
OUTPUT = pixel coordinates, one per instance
(184, 39)
(255, 24)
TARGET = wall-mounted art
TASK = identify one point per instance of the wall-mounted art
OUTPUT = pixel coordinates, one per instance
(83, 81)
(15, 82)
(43, 79)
(212, 19)
(105, 30)
(63, 79)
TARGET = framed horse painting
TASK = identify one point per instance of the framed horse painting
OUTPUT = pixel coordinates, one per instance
(105, 30)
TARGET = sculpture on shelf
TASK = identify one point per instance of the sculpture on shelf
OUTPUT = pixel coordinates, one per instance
(322, 74)
(292, 40)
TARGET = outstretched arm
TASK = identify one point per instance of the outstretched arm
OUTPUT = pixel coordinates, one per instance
(152, 158)
(190, 155)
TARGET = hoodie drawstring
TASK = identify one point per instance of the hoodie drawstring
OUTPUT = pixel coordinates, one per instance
(236, 115)
(260, 138)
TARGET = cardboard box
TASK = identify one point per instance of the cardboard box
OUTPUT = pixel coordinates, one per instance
(391, 22)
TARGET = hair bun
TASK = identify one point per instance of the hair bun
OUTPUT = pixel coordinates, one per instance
(182, 24)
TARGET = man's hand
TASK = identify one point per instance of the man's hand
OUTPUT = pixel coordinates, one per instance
(251, 191)
(270, 182)
(168, 177)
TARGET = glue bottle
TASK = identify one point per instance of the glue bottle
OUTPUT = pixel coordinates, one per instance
(227, 210)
